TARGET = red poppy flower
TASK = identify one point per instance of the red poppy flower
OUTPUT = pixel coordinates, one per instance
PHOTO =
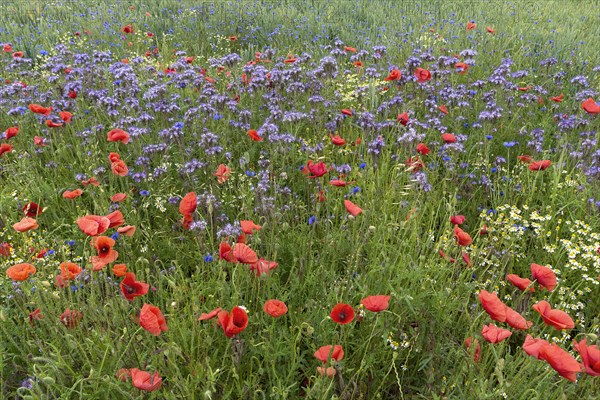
(209, 315)
(35, 315)
(590, 106)
(394, 75)
(539, 165)
(449, 138)
(233, 323)
(5, 148)
(521, 283)
(127, 29)
(350, 49)
(422, 149)
(254, 135)
(492, 305)
(7, 48)
(524, 88)
(358, 64)
(69, 270)
(461, 67)
(71, 318)
(144, 381)
(338, 183)
(462, 237)
(106, 254)
(337, 140)
(223, 173)
(65, 116)
(533, 346)
(5, 249)
(52, 124)
(516, 320)
(290, 59)
(263, 267)
(544, 276)
(25, 224)
(226, 253)
(72, 194)
(248, 227)
(326, 353)
(376, 303)
(590, 356)
(471, 25)
(11, 132)
(119, 168)
(93, 225)
(525, 158)
(473, 342)
(557, 99)
(152, 319)
(32, 210)
(414, 164)
(493, 334)
(72, 94)
(91, 181)
(132, 288)
(118, 135)
(316, 169)
(490, 30)
(119, 270)
(560, 360)
(36, 108)
(342, 313)
(244, 254)
(188, 204)
(352, 208)
(443, 109)
(403, 118)
(422, 75)
(275, 308)
(557, 319)
(118, 197)
(20, 272)
(39, 141)
(127, 230)
(457, 219)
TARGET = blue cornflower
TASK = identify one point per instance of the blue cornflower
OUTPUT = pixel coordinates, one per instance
(114, 236)
(144, 193)
(510, 144)
(208, 258)
(71, 243)
(489, 137)
(250, 173)
(494, 169)
(362, 165)
(355, 189)
(312, 220)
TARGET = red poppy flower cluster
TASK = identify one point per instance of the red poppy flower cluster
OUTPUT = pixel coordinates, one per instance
(559, 359)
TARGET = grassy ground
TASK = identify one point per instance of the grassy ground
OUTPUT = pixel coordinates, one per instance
(183, 127)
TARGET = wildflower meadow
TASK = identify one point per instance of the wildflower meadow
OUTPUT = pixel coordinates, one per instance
(300, 199)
